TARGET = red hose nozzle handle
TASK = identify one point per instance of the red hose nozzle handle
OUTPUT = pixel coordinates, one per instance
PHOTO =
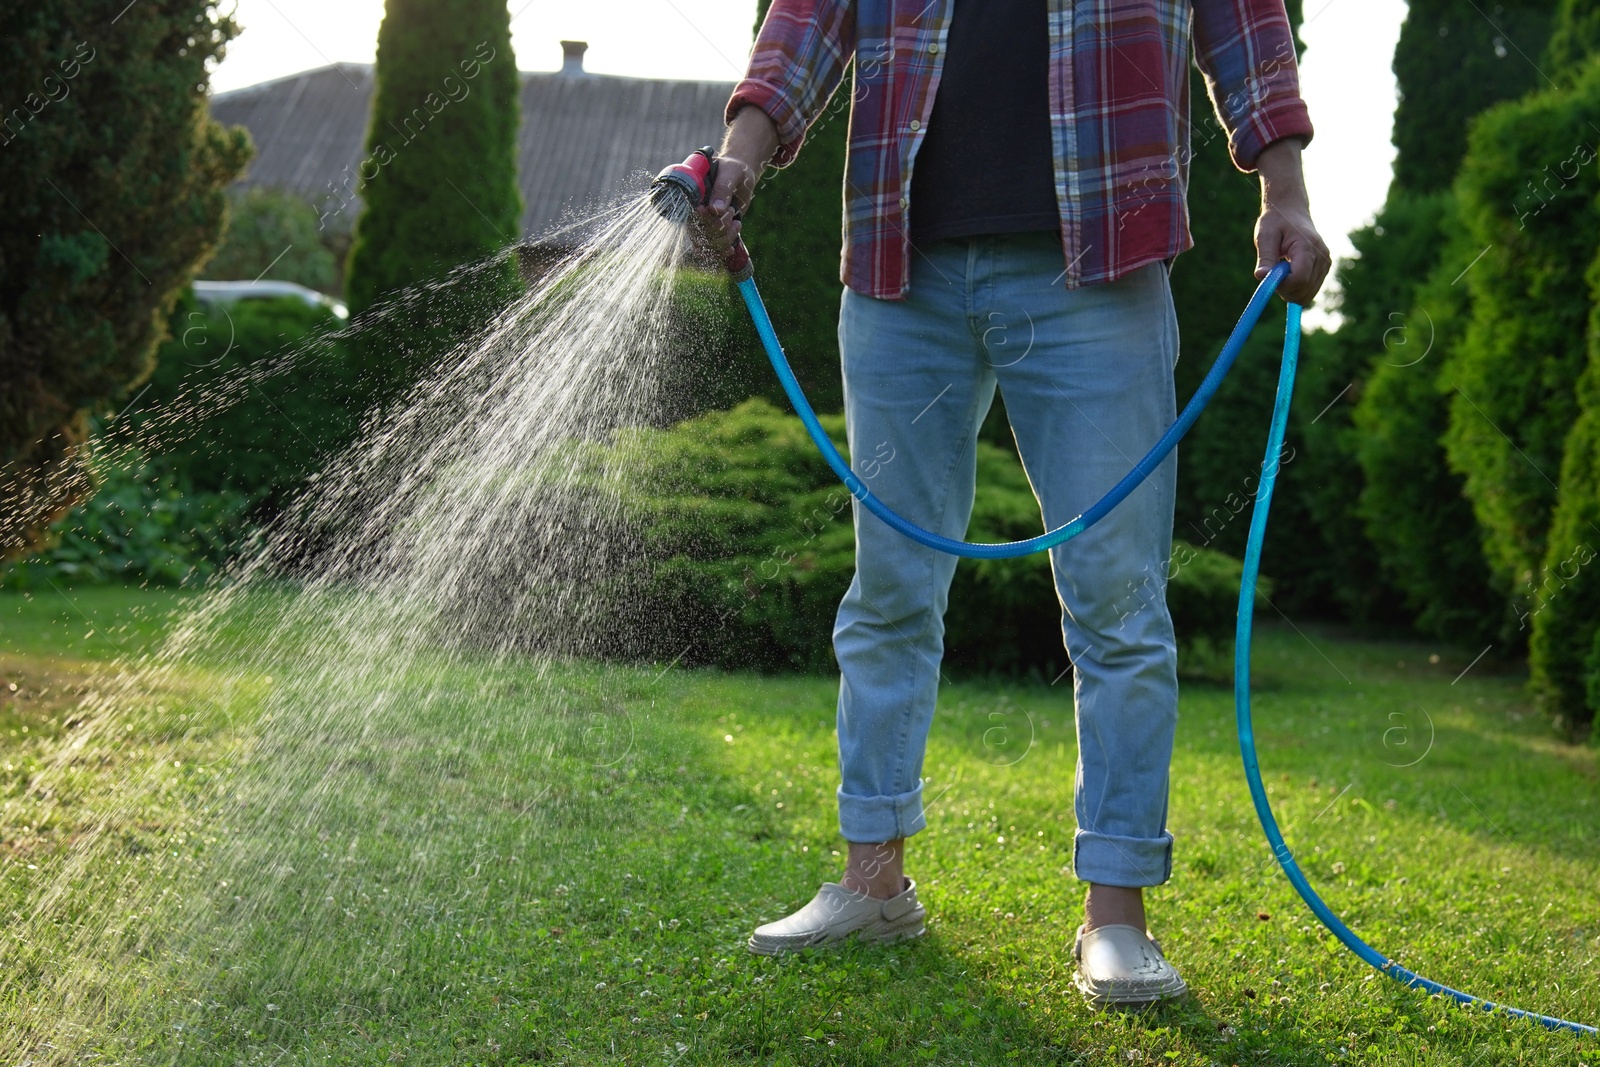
(682, 187)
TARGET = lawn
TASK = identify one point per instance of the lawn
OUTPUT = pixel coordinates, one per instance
(493, 863)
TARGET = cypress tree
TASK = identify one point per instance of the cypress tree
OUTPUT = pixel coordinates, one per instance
(1380, 441)
(1575, 38)
(1452, 61)
(111, 179)
(1527, 195)
(1410, 502)
(1562, 608)
(438, 181)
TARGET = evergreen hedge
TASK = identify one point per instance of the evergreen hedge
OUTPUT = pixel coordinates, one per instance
(1563, 610)
(1411, 504)
(1453, 61)
(1527, 193)
(1370, 414)
(250, 397)
(750, 547)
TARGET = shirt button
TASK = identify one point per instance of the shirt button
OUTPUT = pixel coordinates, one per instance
(933, 49)
(902, 203)
(915, 125)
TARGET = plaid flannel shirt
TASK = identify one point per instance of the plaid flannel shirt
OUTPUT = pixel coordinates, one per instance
(1119, 114)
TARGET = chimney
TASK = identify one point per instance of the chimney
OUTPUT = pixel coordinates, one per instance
(572, 58)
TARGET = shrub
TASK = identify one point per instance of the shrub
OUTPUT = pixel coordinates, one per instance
(250, 397)
(1563, 609)
(752, 548)
(266, 229)
(438, 185)
(139, 526)
(1451, 62)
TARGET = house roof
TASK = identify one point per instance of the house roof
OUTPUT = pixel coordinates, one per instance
(584, 139)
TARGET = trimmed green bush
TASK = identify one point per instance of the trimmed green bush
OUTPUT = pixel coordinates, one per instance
(140, 526)
(250, 397)
(751, 544)
(1563, 610)
(1409, 503)
(1428, 542)
(1450, 64)
(1527, 191)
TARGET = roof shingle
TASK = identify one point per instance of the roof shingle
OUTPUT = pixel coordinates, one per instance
(583, 140)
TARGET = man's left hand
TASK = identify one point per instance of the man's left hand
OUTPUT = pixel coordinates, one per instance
(1285, 229)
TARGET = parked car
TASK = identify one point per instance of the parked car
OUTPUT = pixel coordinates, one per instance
(221, 293)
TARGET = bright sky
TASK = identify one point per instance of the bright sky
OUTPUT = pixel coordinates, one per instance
(1345, 77)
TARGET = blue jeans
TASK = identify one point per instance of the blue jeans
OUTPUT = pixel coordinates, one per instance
(1087, 377)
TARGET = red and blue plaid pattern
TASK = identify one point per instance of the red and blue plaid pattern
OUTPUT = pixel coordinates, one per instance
(1119, 112)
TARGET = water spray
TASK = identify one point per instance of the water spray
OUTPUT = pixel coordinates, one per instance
(679, 189)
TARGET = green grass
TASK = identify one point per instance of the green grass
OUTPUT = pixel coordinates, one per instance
(562, 868)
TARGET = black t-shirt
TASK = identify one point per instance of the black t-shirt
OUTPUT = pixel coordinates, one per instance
(985, 164)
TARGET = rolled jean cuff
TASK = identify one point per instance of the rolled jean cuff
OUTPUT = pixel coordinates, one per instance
(873, 819)
(1132, 862)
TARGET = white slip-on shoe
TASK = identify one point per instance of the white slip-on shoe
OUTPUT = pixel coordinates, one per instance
(836, 913)
(1120, 966)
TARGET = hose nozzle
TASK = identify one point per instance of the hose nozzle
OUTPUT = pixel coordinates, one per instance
(682, 187)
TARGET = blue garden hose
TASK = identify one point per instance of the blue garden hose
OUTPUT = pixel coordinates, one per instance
(1247, 737)
(1247, 584)
(1067, 530)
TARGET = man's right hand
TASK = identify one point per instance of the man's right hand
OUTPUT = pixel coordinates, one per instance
(749, 143)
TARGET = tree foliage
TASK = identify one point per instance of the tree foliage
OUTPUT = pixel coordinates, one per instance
(1379, 443)
(111, 179)
(1527, 194)
(1563, 608)
(251, 397)
(438, 182)
(1575, 38)
(273, 234)
(1453, 61)
(1410, 503)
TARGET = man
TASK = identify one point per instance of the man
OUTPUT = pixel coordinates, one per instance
(1014, 197)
